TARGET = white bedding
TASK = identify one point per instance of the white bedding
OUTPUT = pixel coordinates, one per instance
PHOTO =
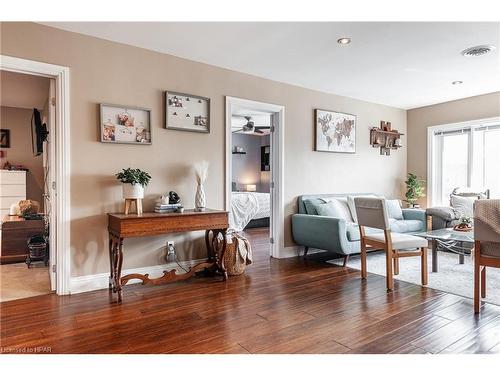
(247, 206)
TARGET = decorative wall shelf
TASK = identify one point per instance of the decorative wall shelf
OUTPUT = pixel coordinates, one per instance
(385, 138)
(239, 153)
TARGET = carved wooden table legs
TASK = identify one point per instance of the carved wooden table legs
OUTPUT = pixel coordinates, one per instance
(215, 254)
(115, 261)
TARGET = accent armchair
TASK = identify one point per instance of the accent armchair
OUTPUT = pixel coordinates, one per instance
(487, 244)
(372, 213)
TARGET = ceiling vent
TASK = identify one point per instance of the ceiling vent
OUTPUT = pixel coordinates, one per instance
(477, 50)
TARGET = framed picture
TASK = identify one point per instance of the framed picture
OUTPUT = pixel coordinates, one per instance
(335, 131)
(123, 124)
(187, 112)
(4, 138)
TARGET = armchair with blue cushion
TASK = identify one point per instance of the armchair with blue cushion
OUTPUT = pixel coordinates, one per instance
(328, 222)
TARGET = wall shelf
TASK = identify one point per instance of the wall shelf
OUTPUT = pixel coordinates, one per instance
(239, 153)
(385, 138)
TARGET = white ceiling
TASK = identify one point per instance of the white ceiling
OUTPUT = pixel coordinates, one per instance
(23, 90)
(404, 65)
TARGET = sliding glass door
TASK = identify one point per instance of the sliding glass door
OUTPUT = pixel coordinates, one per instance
(464, 156)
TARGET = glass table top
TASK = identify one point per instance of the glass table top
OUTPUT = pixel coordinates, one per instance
(448, 234)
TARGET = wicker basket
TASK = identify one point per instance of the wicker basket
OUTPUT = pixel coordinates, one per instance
(232, 260)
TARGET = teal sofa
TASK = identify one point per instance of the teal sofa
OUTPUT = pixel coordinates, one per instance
(337, 235)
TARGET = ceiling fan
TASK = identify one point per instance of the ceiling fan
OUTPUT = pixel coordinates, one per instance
(250, 127)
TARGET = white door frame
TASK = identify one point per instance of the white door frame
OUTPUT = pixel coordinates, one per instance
(277, 165)
(61, 204)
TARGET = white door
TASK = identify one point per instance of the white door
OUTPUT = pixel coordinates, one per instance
(50, 192)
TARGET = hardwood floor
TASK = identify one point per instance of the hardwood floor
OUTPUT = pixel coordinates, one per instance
(278, 306)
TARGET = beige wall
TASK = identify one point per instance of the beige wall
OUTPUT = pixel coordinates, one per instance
(419, 119)
(18, 120)
(102, 71)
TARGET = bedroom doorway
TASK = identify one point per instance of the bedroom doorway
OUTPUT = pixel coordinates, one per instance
(54, 150)
(254, 155)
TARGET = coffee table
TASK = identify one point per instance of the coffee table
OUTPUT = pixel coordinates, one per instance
(452, 240)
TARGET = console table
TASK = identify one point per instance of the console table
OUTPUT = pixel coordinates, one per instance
(121, 226)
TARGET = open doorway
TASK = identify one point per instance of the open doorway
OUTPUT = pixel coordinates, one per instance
(254, 157)
(26, 115)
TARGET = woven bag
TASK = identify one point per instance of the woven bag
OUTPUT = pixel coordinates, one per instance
(233, 263)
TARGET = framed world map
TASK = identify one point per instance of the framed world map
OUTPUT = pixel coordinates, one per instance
(335, 131)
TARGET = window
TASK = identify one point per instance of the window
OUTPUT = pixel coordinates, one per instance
(465, 155)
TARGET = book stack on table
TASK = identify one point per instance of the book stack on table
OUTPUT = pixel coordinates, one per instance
(164, 208)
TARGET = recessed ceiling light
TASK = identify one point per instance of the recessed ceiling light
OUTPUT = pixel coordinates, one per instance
(477, 50)
(344, 41)
(457, 82)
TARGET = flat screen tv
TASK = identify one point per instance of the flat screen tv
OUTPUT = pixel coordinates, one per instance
(38, 132)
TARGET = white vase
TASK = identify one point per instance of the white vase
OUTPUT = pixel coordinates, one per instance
(133, 191)
(200, 198)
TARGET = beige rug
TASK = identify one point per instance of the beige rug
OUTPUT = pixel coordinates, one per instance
(452, 277)
(17, 281)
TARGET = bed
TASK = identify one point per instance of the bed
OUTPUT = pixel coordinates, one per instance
(249, 210)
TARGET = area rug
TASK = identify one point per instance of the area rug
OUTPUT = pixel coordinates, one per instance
(451, 277)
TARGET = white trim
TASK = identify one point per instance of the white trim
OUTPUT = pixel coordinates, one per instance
(277, 165)
(433, 174)
(87, 283)
(62, 160)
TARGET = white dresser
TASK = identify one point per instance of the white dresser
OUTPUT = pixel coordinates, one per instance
(12, 189)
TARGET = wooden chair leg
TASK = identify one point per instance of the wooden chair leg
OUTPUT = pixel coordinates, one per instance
(423, 265)
(483, 282)
(389, 276)
(396, 263)
(476, 280)
(363, 259)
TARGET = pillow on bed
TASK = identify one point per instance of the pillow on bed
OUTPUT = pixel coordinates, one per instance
(337, 208)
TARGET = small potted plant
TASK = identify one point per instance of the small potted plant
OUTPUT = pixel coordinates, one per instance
(133, 181)
(414, 190)
(464, 224)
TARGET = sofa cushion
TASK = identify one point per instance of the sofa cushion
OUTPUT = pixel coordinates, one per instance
(352, 231)
(406, 226)
(335, 208)
(394, 209)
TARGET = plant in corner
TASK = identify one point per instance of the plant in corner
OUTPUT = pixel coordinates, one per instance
(414, 189)
(134, 181)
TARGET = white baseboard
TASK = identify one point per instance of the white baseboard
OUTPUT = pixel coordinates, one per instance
(87, 283)
(295, 251)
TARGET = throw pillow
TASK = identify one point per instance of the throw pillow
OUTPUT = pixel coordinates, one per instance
(463, 205)
(336, 209)
(311, 204)
(394, 210)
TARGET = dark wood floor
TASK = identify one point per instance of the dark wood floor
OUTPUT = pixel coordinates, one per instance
(278, 306)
